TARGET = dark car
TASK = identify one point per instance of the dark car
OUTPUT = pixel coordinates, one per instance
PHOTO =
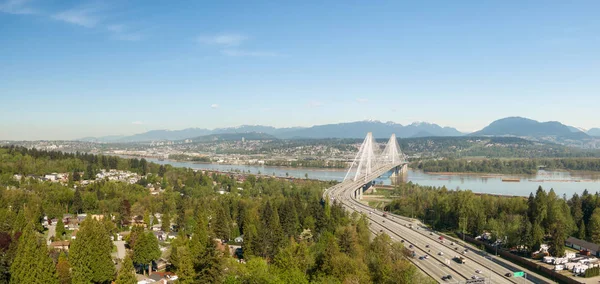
(508, 274)
(448, 276)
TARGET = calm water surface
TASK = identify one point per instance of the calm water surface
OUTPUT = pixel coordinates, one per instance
(563, 182)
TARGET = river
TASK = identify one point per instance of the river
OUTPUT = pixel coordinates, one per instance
(563, 182)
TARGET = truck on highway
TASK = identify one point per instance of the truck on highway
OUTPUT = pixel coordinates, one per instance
(460, 259)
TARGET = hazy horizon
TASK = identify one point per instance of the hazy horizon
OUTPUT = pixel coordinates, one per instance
(77, 69)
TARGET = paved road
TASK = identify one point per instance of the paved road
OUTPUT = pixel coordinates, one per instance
(120, 249)
(439, 262)
(51, 232)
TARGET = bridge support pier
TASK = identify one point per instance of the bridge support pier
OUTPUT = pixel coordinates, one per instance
(399, 174)
(400, 170)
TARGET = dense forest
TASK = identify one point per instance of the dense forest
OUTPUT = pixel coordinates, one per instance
(521, 223)
(290, 235)
(507, 166)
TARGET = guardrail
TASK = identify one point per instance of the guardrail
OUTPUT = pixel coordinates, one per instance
(524, 262)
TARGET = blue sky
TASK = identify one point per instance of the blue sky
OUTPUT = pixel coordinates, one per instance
(71, 69)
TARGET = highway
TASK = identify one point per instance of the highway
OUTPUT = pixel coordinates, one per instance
(439, 261)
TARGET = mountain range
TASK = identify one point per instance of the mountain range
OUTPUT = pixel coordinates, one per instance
(356, 129)
(551, 131)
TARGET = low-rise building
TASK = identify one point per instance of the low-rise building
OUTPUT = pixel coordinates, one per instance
(582, 245)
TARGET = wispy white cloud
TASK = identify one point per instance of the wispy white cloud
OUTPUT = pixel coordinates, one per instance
(85, 17)
(314, 104)
(247, 53)
(16, 7)
(362, 100)
(214, 106)
(137, 123)
(222, 39)
(116, 28)
(123, 32)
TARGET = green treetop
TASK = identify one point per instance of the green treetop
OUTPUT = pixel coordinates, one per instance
(126, 274)
(60, 229)
(90, 257)
(32, 263)
(63, 269)
(146, 249)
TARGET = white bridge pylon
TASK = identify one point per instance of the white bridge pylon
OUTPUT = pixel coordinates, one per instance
(369, 158)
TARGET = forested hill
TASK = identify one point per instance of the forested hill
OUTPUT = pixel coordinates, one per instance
(491, 147)
(290, 235)
(507, 166)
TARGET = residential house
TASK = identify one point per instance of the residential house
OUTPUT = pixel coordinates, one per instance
(60, 245)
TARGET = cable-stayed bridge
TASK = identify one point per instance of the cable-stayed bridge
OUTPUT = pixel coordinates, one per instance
(435, 256)
(371, 162)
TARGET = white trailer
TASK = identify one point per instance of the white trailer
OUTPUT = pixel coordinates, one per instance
(570, 265)
(560, 260)
(559, 267)
(580, 269)
(548, 259)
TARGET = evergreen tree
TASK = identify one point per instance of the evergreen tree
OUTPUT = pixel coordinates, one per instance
(89, 255)
(77, 202)
(222, 225)
(63, 269)
(147, 220)
(60, 228)
(270, 231)
(185, 268)
(581, 234)
(19, 223)
(558, 235)
(125, 212)
(32, 263)
(166, 222)
(197, 243)
(180, 242)
(209, 266)
(126, 274)
(89, 173)
(146, 250)
(162, 170)
(143, 166)
(594, 226)
(289, 218)
(537, 234)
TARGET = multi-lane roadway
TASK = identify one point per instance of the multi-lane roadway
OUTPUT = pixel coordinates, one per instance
(432, 255)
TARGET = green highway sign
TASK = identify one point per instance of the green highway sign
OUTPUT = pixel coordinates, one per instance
(519, 274)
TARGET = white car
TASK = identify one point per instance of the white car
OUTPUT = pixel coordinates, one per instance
(477, 271)
(440, 253)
